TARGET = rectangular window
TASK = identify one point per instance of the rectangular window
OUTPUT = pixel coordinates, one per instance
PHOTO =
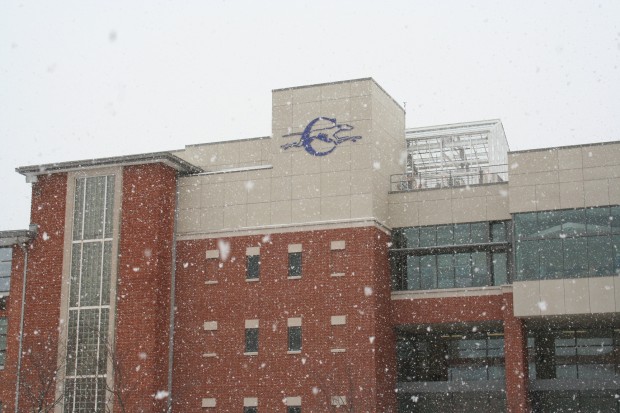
(3, 329)
(293, 409)
(294, 264)
(252, 409)
(252, 267)
(294, 338)
(5, 270)
(251, 340)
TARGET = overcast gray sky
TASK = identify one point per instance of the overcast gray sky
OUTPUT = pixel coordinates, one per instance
(89, 79)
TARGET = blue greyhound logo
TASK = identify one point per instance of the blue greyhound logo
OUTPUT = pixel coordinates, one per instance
(324, 130)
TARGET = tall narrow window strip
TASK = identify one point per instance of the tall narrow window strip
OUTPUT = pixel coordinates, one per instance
(253, 267)
(89, 295)
(6, 255)
(251, 340)
(294, 264)
(294, 338)
(3, 329)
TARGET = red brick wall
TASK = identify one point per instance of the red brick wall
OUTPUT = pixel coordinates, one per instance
(42, 315)
(362, 295)
(517, 382)
(143, 295)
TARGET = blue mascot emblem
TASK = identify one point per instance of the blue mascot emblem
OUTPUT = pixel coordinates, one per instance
(321, 136)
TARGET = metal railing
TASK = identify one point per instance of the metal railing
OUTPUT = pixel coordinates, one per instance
(483, 175)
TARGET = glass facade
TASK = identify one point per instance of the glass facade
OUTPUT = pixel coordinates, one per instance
(450, 256)
(89, 295)
(569, 243)
(6, 255)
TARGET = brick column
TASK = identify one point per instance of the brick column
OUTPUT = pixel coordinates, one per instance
(515, 336)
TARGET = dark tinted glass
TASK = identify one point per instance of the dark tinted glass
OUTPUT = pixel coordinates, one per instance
(253, 266)
(251, 340)
(294, 264)
(294, 338)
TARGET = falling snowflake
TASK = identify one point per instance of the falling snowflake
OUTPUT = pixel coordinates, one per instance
(161, 394)
(367, 291)
(542, 305)
(249, 185)
(45, 236)
(224, 248)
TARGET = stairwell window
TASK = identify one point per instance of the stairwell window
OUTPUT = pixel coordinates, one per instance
(252, 264)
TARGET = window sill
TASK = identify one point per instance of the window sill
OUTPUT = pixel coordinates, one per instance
(293, 352)
(210, 282)
(337, 274)
(338, 350)
(209, 355)
(252, 280)
(294, 277)
(251, 353)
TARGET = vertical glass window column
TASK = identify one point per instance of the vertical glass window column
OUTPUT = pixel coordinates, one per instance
(89, 295)
(3, 328)
(6, 255)
(252, 268)
(251, 337)
(294, 334)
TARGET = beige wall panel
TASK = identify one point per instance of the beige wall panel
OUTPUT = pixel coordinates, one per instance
(547, 177)
(190, 181)
(250, 152)
(281, 97)
(602, 295)
(306, 186)
(432, 194)
(403, 215)
(361, 206)
(212, 195)
(336, 90)
(304, 163)
(361, 88)
(259, 190)
(570, 175)
(522, 199)
(570, 158)
(576, 296)
(281, 212)
(303, 113)
(361, 108)
(617, 292)
(601, 172)
(235, 216)
(571, 195)
(497, 208)
(282, 117)
(547, 197)
(526, 296)
(189, 196)
(281, 188)
(258, 214)
(596, 193)
(339, 159)
(233, 177)
(336, 108)
(336, 183)
(601, 155)
(211, 219)
(305, 210)
(335, 207)
(360, 157)
(189, 220)
(435, 212)
(535, 161)
(306, 94)
(614, 191)
(552, 295)
(235, 193)
(380, 208)
(469, 209)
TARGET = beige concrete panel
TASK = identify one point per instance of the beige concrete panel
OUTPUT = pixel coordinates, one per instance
(432, 194)
(336, 108)
(380, 208)
(335, 207)
(546, 177)
(212, 218)
(258, 214)
(571, 195)
(259, 190)
(226, 154)
(360, 157)
(281, 188)
(281, 163)
(403, 215)
(361, 108)
(576, 296)
(235, 216)
(189, 220)
(339, 159)
(303, 113)
(361, 206)
(336, 183)
(570, 158)
(189, 196)
(535, 161)
(596, 193)
(435, 212)
(280, 212)
(212, 195)
(614, 191)
(303, 163)
(552, 297)
(361, 88)
(282, 117)
(234, 177)
(497, 208)
(235, 193)
(281, 97)
(306, 94)
(522, 199)
(601, 172)
(190, 181)
(570, 175)
(469, 209)
(526, 298)
(480, 190)
(602, 295)
(601, 155)
(306, 186)
(336, 91)
(305, 210)
(617, 292)
(547, 196)
(361, 181)
(250, 152)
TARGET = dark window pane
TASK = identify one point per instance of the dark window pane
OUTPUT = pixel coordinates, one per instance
(427, 237)
(479, 271)
(616, 253)
(527, 260)
(575, 257)
(6, 254)
(479, 232)
(462, 270)
(253, 266)
(498, 232)
(550, 224)
(445, 271)
(574, 222)
(445, 235)
(250, 409)
(526, 225)
(597, 220)
(615, 219)
(251, 340)
(500, 273)
(599, 256)
(294, 338)
(428, 271)
(411, 237)
(294, 264)
(413, 273)
(551, 259)
(293, 409)
(461, 234)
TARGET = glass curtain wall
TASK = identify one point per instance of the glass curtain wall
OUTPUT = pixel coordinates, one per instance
(89, 295)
